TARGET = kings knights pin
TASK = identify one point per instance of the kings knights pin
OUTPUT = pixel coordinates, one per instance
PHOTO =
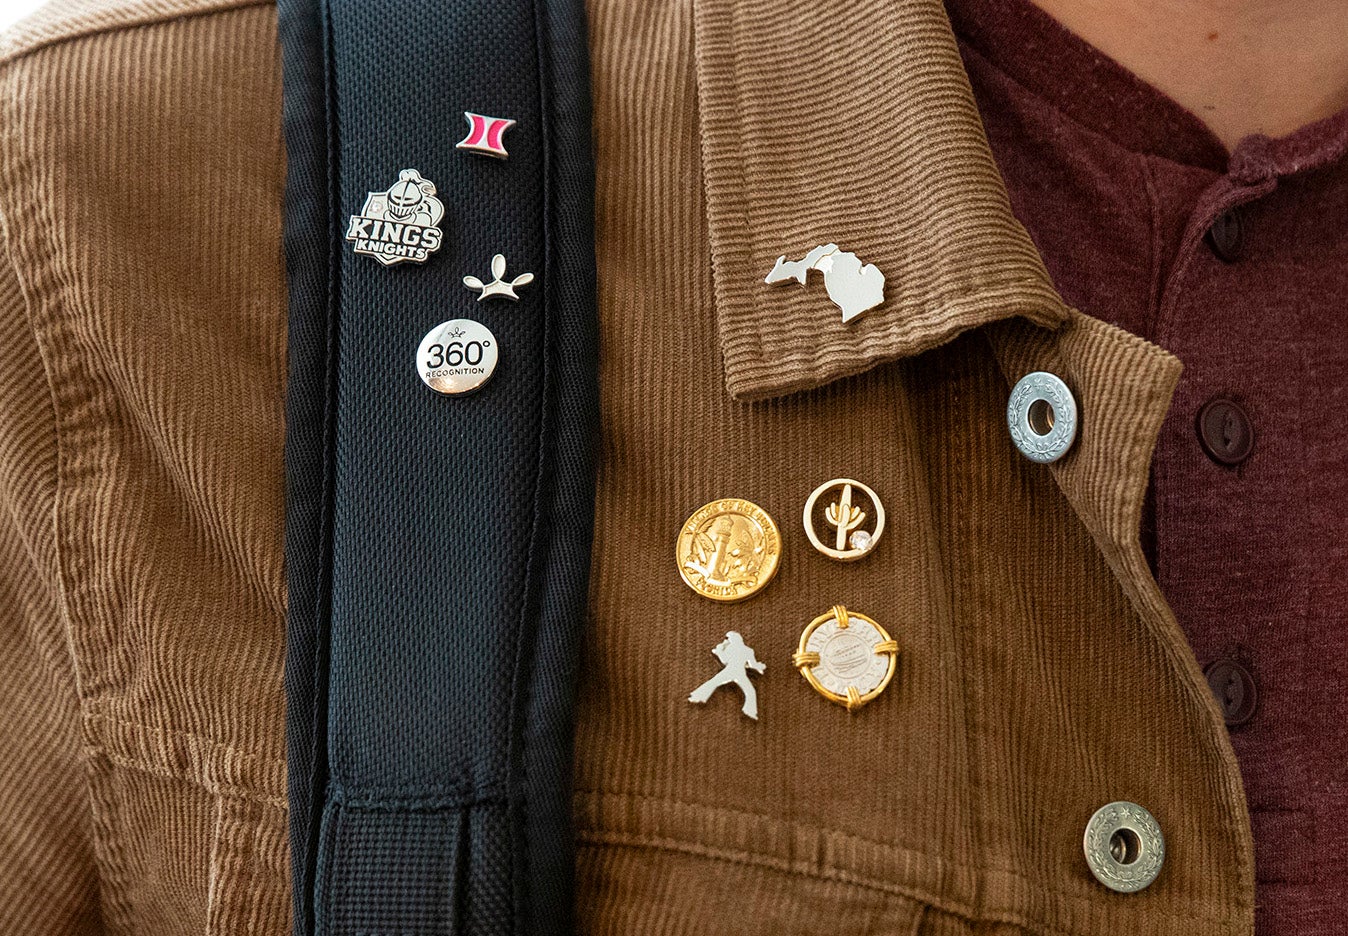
(401, 223)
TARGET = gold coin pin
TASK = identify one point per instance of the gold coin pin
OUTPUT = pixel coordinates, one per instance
(846, 657)
(847, 537)
(728, 549)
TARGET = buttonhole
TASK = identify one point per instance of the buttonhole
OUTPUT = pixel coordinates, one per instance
(1041, 417)
(1125, 846)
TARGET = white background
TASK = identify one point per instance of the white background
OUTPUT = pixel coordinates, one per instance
(11, 11)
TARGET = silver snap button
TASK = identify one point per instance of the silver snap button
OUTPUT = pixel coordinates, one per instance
(457, 356)
(1124, 847)
(1042, 417)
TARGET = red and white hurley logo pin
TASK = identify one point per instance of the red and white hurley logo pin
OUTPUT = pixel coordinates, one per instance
(484, 135)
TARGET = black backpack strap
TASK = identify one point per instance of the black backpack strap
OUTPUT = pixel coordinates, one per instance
(437, 547)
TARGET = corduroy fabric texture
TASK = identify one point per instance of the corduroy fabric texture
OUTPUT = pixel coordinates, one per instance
(141, 190)
(143, 771)
(809, 110)
(1041, 674)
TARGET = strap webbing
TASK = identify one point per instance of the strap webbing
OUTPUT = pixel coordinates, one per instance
(437, 547)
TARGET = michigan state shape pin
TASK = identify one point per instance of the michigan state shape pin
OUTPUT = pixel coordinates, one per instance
(401, 223)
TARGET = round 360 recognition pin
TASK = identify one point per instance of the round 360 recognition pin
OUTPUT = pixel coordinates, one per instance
(457, 357)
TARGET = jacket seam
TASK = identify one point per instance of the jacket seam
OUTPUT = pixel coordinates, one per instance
(73, 31)
(99, 842)
(519, 796)
(840, 875)
(97, 746)
(428, 799)
(596, 834)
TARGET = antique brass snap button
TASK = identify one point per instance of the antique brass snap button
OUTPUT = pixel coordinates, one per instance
(847, 657)
(1042, 417)
(1124, 847)
(728, 549)
(852, 527)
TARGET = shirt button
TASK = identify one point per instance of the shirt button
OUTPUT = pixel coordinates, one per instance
(1234, 687)
(1225, 238)
(1225, 431)
(1124, 847)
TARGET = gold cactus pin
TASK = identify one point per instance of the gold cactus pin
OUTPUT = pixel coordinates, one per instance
(850, 540)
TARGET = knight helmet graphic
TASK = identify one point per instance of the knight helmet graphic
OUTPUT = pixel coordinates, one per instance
(412, 200)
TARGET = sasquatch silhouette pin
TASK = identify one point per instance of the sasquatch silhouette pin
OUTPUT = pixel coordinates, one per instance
(738, 658)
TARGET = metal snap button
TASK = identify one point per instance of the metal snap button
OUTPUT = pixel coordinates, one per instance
(1124, 847)
(457, 357)
(1042, 417)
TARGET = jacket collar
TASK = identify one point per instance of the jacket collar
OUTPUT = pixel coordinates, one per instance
(850, 122)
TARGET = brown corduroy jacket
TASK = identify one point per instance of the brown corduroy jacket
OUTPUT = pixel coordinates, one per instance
(1041, 675)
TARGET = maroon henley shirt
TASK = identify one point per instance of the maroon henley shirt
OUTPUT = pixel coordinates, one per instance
(1238, 264)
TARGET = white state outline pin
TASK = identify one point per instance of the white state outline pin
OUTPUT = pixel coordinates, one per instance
(854, 287)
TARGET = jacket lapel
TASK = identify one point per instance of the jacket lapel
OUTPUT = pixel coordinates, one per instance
(853, 123)
(850, 123)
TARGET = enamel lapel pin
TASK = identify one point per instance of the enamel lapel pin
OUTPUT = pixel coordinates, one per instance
(853, 286)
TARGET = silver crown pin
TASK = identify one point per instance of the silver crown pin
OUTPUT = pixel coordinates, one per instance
(499, 286)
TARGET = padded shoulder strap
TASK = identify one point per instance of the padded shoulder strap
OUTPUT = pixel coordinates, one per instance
(437, 546)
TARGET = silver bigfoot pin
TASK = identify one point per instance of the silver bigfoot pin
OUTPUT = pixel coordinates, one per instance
(737, 658)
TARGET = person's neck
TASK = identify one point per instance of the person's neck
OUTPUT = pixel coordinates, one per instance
(1242, 66)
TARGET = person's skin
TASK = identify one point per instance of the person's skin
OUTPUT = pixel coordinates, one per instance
(1243, 66)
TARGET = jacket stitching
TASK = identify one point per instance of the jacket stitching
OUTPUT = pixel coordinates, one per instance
(73, 30)
(602, 836)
